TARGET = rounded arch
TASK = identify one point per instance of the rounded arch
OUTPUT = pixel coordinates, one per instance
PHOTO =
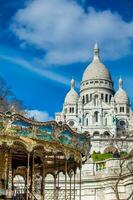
(96, 133)
(38, 147)
(83, 99)
(96, 116)
(20, 145)
(111, 149)
(87, 133)
(96, 100)
(106, 134)
(49, 175)
(87, 98)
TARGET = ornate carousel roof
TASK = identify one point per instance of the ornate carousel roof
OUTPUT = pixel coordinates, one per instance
(50, 136)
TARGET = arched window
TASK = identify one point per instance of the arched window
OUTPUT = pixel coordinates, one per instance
(83, 100)
(90, 97)
(96, 100)
(106, 134)
(110, 97)
(121, 109)
(106, 98)
(87, 98)
(96, 116)
(86, 121)
(106, 121)
(96, 133)
(71, 110)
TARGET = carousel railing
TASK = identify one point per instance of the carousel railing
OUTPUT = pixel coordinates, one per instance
(50, 194)
(20, 194)
(59, 194)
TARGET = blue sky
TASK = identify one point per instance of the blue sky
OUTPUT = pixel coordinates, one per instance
(44, 43)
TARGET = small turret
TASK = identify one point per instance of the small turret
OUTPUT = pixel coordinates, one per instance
(72, 84)
(120, 83)
(72, 96)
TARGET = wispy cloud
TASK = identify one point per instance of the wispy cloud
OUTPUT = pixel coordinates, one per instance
(38, 115)
(42, 72)
(66, 32)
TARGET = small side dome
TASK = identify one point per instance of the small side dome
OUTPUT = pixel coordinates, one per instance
(121, 96)
(72, 96)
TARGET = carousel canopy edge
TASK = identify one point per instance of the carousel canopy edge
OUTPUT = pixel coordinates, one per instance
(20, 126)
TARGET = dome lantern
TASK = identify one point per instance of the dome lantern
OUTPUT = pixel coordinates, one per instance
(72, 83)
(120, 83)
(96, 52)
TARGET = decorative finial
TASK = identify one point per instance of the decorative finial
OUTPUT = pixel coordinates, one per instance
(72, 83)
(96, 51)
(120, 83)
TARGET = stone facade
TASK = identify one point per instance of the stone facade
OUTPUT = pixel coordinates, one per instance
(98, 179)
(97, 109)
(104, 114)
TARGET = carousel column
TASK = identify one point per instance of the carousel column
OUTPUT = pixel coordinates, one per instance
(70, 175)
(28, 170)
(74, 184)
(55, 178)
(58, 178)
(80, 184)
(43, 181)
(10, 177)
(33, 174)
(3, 171)
(55, 189)
(65, 179)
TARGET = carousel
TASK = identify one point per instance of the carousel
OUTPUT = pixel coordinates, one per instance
(39, 160)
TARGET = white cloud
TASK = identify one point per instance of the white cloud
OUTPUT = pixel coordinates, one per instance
(38, 115)
(66, 32)
(42, 72)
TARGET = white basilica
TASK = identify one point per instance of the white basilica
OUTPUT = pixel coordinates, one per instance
(107, 116)
(97, 108)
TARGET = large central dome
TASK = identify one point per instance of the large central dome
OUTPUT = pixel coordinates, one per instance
(96, 70)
